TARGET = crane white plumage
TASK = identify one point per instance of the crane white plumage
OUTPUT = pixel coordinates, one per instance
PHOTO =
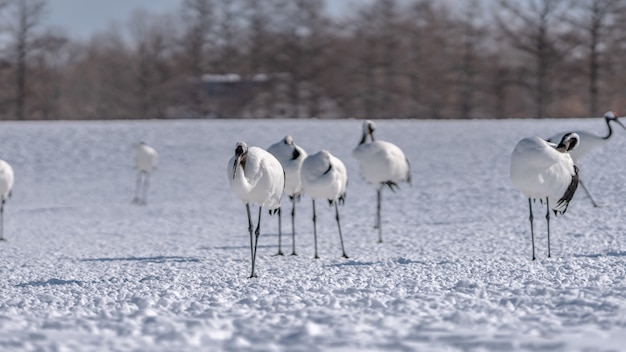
(543, 170)
(324, 176)
(146, 160)
(590, 141)
(290, 157)
(382, 163)
(256, 177)
(6, 187)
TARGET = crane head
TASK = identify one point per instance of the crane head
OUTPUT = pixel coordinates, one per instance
(368, 130)
(611, 116)
(568, 142)
(241, 148)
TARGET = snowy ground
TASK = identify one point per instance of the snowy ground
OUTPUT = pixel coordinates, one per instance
(83, 269)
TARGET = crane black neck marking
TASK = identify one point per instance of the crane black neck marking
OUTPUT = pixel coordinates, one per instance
(608, 124)
(243, 158)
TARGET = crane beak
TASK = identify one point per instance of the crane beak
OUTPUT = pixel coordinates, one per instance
(236, 166)
(620, 123)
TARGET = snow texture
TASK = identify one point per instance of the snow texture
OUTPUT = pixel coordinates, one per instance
(84, 269)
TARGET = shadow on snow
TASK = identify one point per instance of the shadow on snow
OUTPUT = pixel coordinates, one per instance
(350, 263)
(51, 282)
(598, 255)
(156, 259)
(234, 247)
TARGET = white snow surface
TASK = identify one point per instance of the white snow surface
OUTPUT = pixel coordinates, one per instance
(85, 270)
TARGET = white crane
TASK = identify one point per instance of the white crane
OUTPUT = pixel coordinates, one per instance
(325, 177)
(6, 186)
(543, 170)
(146, 160)
(590, 141)
(256, 177)
(383, 164)
(290, 156)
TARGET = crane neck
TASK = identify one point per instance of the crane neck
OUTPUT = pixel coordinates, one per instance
(364, 137)
(240, 178)
(610, 133)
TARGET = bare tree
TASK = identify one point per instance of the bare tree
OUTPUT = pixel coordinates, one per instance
(227, 57)
(260, 54)
(25, 18)
(537, 29)
(472, 35)
(303, 47)
(367, 62)
(599, 23)
(50, 58)
(198, 18)
(429, 59)
(383, 58)
(415, 28)
(228, 40)
(389, 32)
(100, 80)
(153, 37)
(6, 100)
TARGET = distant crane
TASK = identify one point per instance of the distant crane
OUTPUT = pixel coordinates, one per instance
(6, 186)
(590, 141)
(383, 164)
(256, 177)
(146, 160)
(291, 157)
(325, 177)
(543, 170)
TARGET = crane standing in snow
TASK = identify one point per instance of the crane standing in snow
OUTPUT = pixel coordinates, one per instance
(291, 157)
(146, 160)
(588, 142)
(256, 177)
(543, 170)
(383, 164)
(6, 186)
(325, 177)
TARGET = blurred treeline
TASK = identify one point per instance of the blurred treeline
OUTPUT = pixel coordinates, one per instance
(294, 58)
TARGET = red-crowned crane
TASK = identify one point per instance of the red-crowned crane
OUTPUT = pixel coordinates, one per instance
(325, 177)
(6, 186)
(146, 160)
(382, 164)
(291, 157)
(256, 177)
(544, 171)
(588, 142)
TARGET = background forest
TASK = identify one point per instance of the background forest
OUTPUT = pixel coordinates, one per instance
(294, 59)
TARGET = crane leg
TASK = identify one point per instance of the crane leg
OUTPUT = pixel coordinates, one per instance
(280, 234)
(251, 239)
(339, 227)
(146, 185)
(548, 222)
(293, 225)
(595, 205)
(379, 224)
(257, 232)
(137, 198)
(532, 233)
(2, 220)
(315, 230)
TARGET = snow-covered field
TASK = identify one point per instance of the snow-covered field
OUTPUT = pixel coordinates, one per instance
(84, 269)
